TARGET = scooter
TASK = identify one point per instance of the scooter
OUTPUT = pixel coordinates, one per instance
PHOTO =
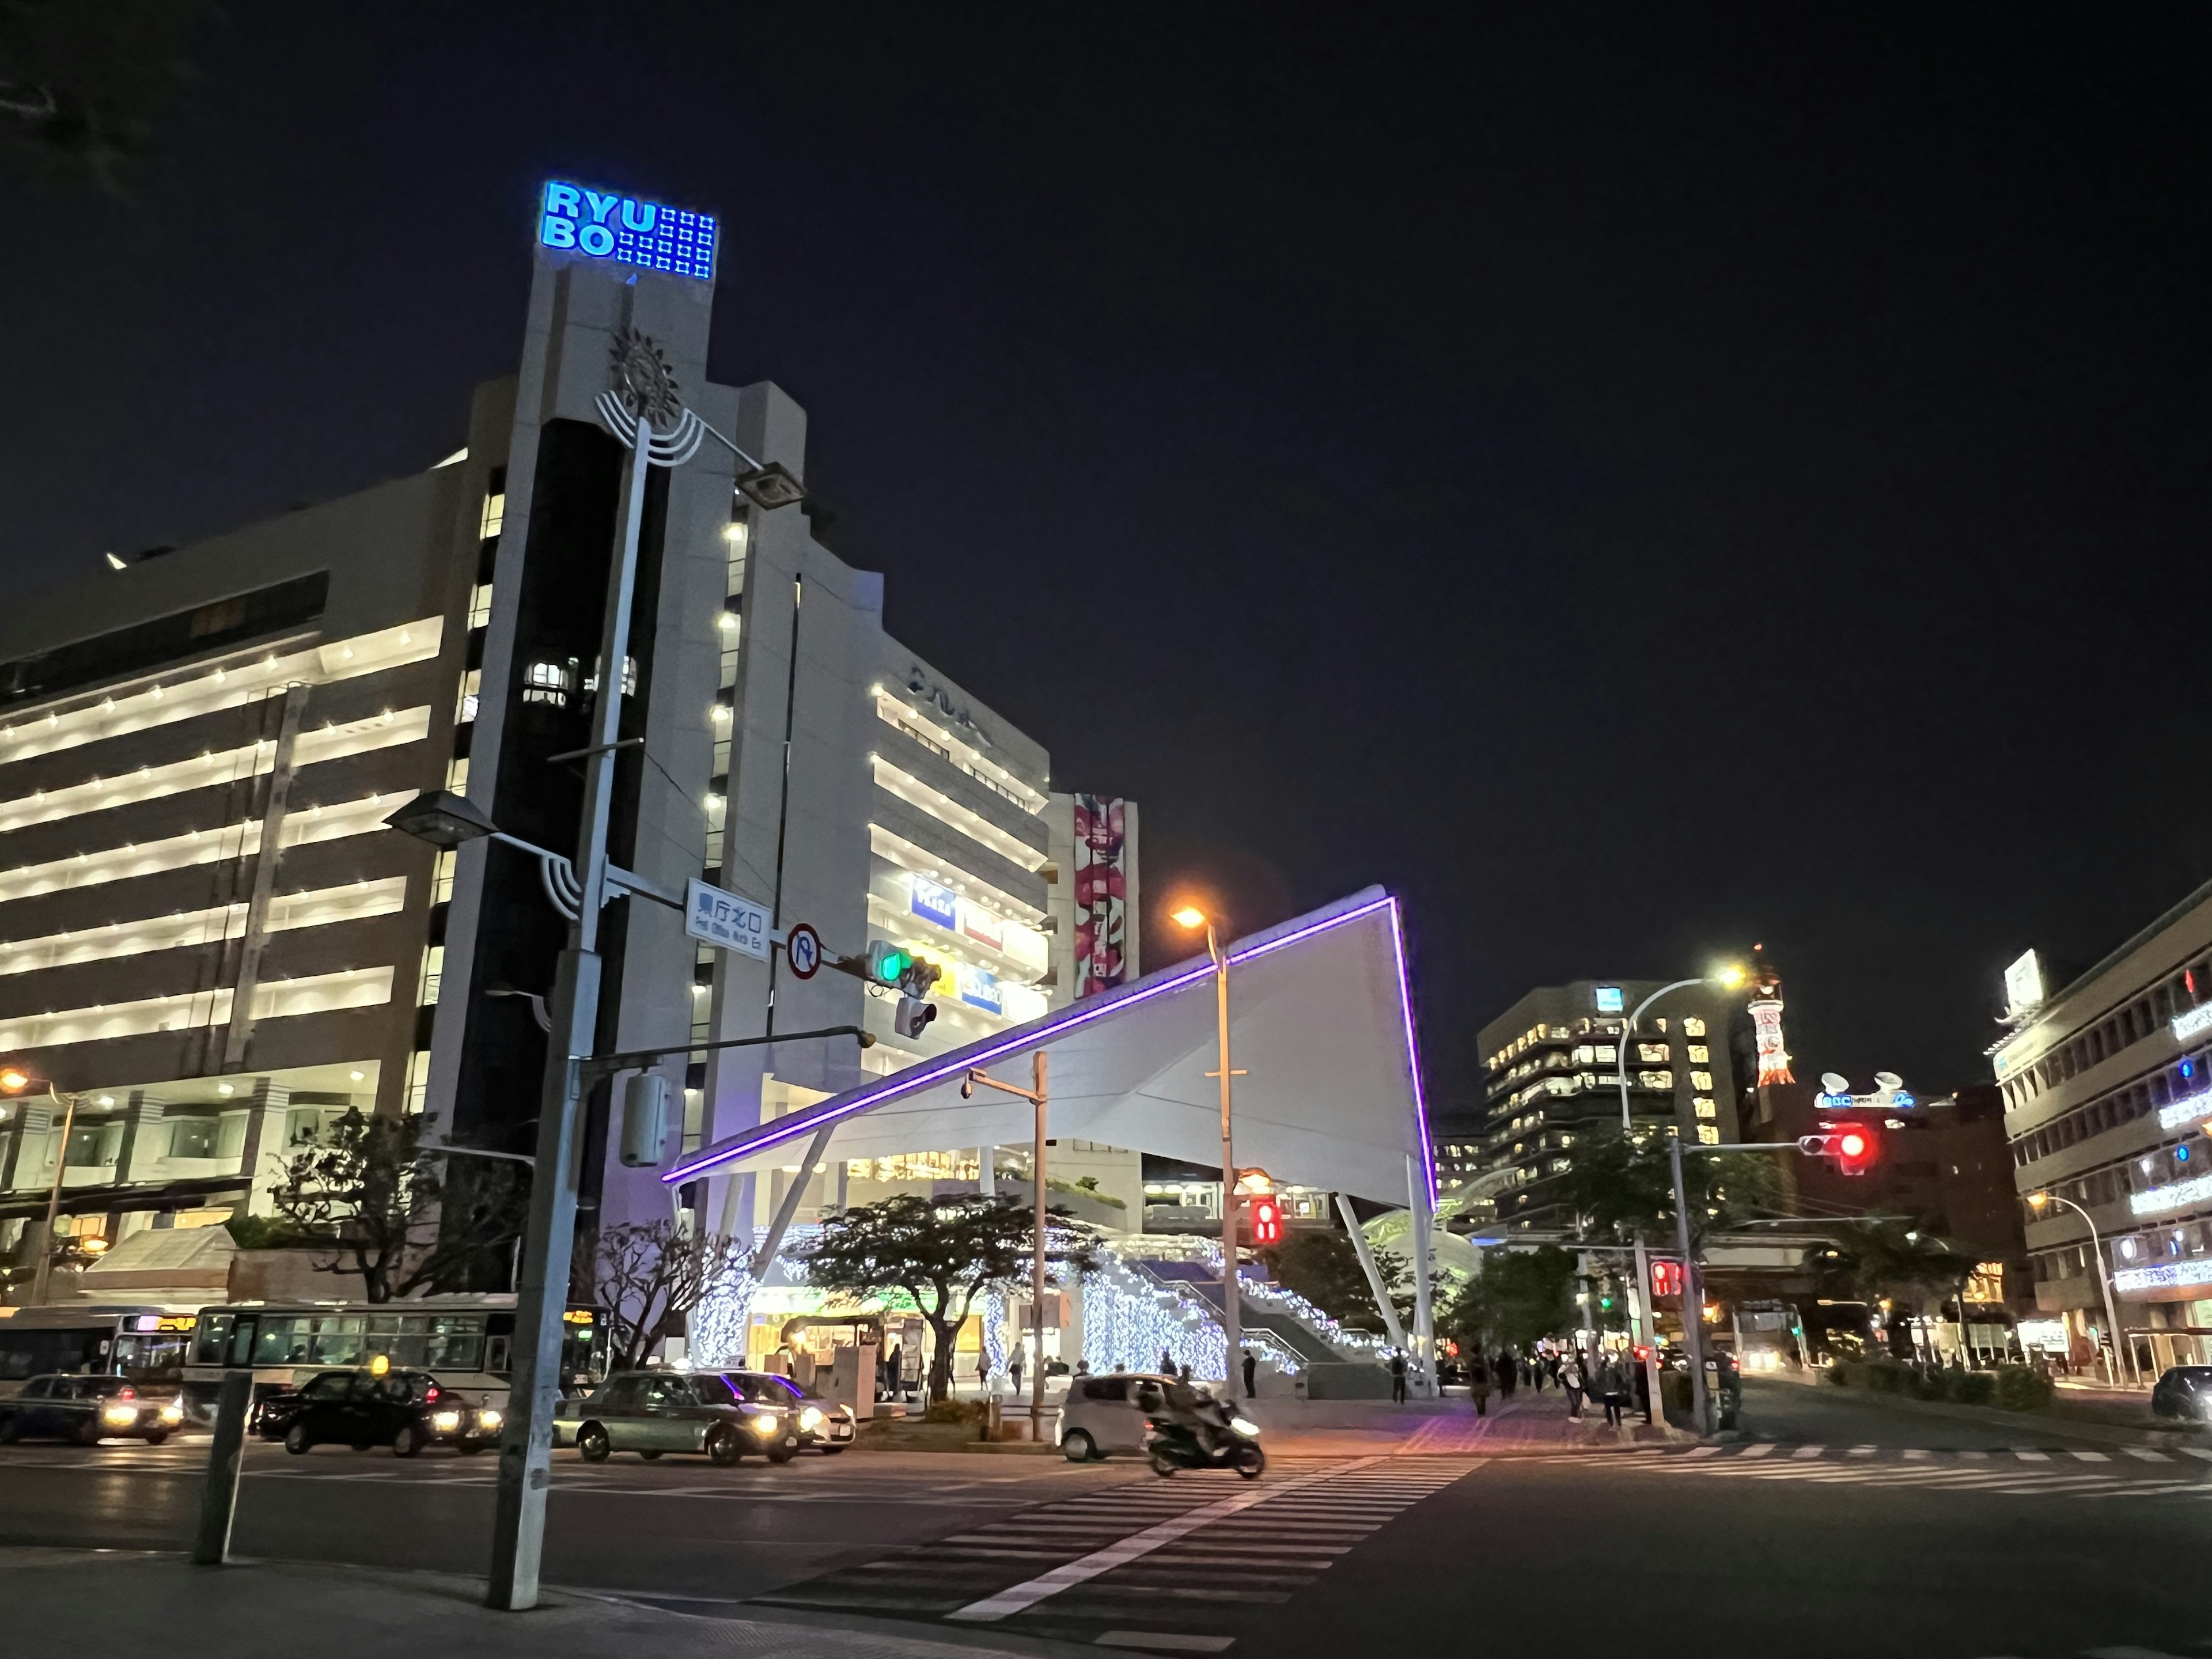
(1172, 1445)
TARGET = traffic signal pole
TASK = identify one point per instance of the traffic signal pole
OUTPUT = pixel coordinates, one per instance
(1693, 1296)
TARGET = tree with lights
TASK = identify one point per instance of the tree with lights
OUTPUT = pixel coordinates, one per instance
(943, 1253)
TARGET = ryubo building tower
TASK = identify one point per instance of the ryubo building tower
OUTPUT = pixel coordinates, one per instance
(214, 944)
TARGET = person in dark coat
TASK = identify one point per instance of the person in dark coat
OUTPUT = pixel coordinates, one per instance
(1251, 1375)
(1478, 1383)
(1397, 1378)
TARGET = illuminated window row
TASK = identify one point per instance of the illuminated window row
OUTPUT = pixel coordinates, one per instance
(388, 730)
(956, 749)
(895, 849)
(187, 928)
(951, 813)
(202, 691)
(234, 840)
(320, 994)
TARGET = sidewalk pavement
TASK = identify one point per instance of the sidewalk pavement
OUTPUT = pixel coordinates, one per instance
(108, 1601)
(1528, 1422)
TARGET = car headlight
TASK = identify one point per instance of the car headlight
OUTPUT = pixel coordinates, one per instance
(1244, 1425)
(762, 1423)
(445, 1422)
(173, 1411)
(811, 1419)
(488, 1419)
(119, 1414)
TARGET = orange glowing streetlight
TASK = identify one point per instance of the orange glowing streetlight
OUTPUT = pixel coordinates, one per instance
(1191, 917)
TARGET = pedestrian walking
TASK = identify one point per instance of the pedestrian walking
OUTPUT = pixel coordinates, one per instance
(1478, 1383)
(1251, 1375)
(1611, 1384)
(1397, 1377)
(1572, 1380)
(1505, 1375)
(1015, 1364)
(1167, 1364)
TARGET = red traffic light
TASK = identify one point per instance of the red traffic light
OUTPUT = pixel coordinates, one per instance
(1666, 1279)
(1266, 1220)
(1853, 1149)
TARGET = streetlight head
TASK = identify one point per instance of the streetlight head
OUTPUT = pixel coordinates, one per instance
(1730, 976)
(1189, 916)
(770, 486)
(2039, 1200)
(14, 1080)
(443, 819)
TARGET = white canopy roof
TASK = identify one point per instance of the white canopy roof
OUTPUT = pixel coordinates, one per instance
(1321, 1031)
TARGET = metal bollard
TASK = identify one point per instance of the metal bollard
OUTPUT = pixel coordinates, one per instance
(219, 1497)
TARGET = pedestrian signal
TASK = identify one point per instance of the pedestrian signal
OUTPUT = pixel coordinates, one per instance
(1266, 1220)
(1666, 1279)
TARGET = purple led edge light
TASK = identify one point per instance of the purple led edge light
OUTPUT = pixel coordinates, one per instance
(907, 1082)
(1413, 1054)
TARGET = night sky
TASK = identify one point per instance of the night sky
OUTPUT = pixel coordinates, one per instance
(1635, 485)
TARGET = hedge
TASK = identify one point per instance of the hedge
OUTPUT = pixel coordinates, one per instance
(2014, 1388)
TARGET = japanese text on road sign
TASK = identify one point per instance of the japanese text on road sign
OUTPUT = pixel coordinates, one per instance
(728, 920)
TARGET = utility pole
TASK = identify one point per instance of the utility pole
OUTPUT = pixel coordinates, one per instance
(525, 1453)
(1693, 1296)
(1037, 1097)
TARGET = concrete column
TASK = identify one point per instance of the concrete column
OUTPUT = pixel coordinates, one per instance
(143, 1145)
(986, 1175)
(34, 1122)
(260, 1161)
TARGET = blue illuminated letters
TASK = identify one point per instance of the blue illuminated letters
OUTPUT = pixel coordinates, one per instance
(630, 231)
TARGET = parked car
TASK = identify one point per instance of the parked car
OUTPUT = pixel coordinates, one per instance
(2183, 1391)
(728, 1415)
(362, 1406)
(1107, 1414)
(87, 1410)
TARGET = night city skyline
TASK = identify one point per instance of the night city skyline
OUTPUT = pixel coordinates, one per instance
(1632, 492)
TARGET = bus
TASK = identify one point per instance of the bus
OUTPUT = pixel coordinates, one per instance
(146, 1342)
(466, 1340)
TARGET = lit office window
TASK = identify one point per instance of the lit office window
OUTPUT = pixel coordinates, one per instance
(1708, 1135)
(434, 969)
(495, 513)
(1704, 1108)
(418, 1079)
(1701, 1079)
(480, 606)
(1692, 1026)
(441, 883)
(1700, 1053)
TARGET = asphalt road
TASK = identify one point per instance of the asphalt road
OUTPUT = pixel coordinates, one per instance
(1845, 1530)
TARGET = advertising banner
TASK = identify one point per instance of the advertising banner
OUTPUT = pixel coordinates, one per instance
(1101, 894)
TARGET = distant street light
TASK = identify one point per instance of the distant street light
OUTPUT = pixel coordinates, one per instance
(1189, 916)
(2104, 1279)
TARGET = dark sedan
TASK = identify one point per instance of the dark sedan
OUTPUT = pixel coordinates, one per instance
(2185, 1391)
(87, 1410)
(406, 1410)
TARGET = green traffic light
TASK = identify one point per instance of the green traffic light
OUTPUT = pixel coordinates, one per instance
(893, 966)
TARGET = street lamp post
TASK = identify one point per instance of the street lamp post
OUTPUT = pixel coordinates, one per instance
(1037, 1096)
(1646, 1315)
(2104, 1280)
(1231, 1321)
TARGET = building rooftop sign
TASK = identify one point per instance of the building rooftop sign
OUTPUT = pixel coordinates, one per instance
(626, 230)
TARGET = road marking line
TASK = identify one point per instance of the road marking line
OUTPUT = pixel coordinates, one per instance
(1165, 1641)
(1806, 1454)
(1765, 1448)
(1018, 1597)
(1862, 1451)
(1916, 1455)
(2198, 1451)
(2089, 1457)
(2028, 1456)
(2148, 1455)
(1704, 1451)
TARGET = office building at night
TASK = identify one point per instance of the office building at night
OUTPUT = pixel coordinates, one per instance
(1553, 1060)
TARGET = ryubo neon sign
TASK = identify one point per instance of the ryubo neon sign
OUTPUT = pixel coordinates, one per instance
(627, 230)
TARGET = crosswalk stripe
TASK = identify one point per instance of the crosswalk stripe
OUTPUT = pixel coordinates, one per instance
(2198, 1451)
(1806, 1453)
(1705, 1451)
(1765, 1448)
(2027, 1456)
(2091, 1457)
(2148, 1455)
(1017, 1597)
(1862, 1451)
(1915, 1454)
